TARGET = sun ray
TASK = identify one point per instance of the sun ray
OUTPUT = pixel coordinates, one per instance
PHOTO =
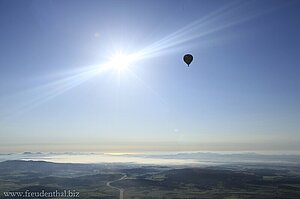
(228, 16)
(43, 93)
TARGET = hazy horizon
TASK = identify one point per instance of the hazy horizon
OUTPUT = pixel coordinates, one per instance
(159, 158)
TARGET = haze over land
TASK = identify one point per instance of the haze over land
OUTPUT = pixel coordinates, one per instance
(183, 159)
(237, 178)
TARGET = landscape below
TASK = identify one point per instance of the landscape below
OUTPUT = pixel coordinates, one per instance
(231, 180)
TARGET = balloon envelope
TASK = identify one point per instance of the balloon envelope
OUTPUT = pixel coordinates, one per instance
(188, 58)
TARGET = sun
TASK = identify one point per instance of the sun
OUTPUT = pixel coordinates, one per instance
(121, 61)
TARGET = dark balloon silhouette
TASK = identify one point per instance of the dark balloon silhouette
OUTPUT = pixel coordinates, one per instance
(188, 58)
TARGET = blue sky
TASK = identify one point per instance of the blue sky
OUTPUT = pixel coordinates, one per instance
(240, 93)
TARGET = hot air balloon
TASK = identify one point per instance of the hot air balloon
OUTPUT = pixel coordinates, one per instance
(188, 58)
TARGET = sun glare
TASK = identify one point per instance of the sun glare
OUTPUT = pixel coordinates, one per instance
(121, 61)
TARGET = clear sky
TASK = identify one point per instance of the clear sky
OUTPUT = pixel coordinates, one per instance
(109, 75)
